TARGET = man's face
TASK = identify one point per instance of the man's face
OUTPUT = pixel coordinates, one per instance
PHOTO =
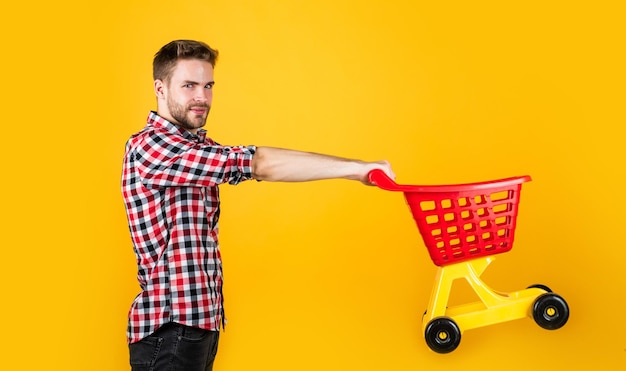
(186, 100)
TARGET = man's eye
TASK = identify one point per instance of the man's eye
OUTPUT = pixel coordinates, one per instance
(187, 86)
(209, 86)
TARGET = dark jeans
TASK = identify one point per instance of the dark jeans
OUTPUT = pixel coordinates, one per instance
(175, 347)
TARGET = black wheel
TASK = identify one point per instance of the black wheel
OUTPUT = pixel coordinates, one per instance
(539, 286)
(550, 311)
(442, 335)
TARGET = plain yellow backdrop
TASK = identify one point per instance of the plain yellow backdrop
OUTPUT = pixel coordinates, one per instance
(327, 275)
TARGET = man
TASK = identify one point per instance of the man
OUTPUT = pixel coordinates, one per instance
(170, 184)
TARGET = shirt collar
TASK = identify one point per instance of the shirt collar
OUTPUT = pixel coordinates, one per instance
(156, 121)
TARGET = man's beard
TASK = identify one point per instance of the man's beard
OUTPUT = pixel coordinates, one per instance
(181, 114)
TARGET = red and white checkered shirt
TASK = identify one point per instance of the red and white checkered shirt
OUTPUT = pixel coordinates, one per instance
(169, 184)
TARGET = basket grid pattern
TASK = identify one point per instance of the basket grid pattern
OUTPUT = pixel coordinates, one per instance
(458, 226)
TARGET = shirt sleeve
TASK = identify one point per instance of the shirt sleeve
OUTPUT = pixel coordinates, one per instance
(165, 160)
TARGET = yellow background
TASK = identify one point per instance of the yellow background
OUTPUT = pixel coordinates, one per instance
(328, 275)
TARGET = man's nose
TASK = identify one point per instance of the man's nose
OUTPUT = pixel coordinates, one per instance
(202, 95)
(200, 98)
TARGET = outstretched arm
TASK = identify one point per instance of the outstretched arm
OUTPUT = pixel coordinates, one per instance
(284, 165)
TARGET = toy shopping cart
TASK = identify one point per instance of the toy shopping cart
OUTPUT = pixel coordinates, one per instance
(463, 226)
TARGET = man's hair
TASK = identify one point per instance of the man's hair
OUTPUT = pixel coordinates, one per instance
(166, 58)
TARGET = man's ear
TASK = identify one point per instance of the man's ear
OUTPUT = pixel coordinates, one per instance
(159, 89)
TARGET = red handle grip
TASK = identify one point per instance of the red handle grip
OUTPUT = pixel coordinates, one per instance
(382, 181)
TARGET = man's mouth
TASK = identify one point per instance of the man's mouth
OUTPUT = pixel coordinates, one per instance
(199, 110)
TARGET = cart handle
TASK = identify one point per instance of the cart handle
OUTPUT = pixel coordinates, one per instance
(382, 181)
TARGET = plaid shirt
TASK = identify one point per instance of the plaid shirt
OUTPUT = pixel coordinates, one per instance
(169, 184)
